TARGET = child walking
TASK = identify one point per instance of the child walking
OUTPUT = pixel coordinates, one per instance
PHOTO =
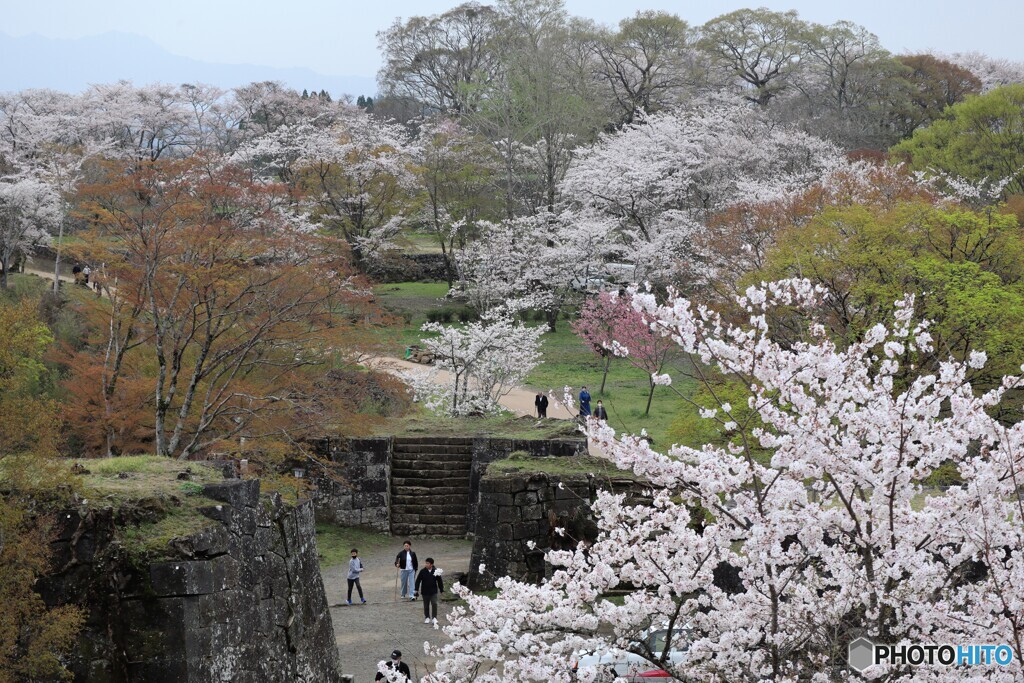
(355, 568)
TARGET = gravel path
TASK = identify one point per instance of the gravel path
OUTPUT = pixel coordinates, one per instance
(368, 633)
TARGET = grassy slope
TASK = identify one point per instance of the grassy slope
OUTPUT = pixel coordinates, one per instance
(567, 361)
(129, 480)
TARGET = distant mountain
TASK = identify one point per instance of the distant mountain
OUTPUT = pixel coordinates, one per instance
(72, 65)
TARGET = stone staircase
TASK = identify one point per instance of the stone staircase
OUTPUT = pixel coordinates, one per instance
(430, 486)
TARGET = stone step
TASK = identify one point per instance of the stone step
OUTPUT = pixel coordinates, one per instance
(414, 505)
(440, 478)
(417, 448)
(431, 456)
(430, 519)
(434, 440)
(429, 508)
(435, 471)
(428, 530)
(420, 488)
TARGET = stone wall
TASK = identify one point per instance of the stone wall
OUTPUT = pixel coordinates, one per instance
(487, 450)
(356, 491)
(242, 600)
(516, 508)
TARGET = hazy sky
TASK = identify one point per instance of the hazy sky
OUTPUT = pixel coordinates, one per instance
(338, 37)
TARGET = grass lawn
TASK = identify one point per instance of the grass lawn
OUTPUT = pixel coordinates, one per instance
(150, 482)
(410, 302)
(335, 543)
(21, 285)
(419, 243)
(568, 361)
(579, 465)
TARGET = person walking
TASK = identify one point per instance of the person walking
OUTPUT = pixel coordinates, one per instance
(599, 412)
(584, 402)
(397, 664)
(355, 568)
(541, 402)
(407, 566)
(429, 584)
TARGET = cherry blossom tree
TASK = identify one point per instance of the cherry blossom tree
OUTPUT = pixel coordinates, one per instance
(662, 178)
(356, 175)
(611, 324)
(29, 209)
(599, 318)
(484, 360)
(546, 258)
(767, 567)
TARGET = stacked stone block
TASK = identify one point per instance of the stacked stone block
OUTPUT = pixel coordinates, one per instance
(516, 509)
(242, 600)
(355, 492)
(430, 486)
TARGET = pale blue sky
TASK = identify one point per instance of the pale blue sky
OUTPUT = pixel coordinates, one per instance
(338, 37)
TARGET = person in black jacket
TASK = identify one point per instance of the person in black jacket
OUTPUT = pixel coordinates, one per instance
(541, 402)
(407, 566)
(600, 413)
(428, 585)
(396, 663)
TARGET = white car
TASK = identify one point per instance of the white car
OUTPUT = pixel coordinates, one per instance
(633, 667)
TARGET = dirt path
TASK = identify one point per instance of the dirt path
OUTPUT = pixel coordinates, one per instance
(366, 634)
(519, 401)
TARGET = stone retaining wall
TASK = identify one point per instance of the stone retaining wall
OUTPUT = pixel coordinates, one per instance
(355, 492)
(517, 508)
(241, 600)
(486, 450)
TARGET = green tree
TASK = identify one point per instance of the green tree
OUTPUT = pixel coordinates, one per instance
(441, 61)
(965, 269)
(646, 64)
(760, 47)
(981, 138)
(32, 636)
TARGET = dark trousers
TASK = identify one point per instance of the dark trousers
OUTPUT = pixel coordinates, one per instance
(354, 582)
(430, 605)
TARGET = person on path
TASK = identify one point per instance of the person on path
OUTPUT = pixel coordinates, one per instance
(542, 405)
(86, 272)
(355, 568)
(428, 585)
(407, 566)
(396, 663)
(584, 402)
(599, 412)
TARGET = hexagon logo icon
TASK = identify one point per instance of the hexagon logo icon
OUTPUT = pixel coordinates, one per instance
(861, 654)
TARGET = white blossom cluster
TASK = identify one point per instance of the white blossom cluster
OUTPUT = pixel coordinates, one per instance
(836, 534)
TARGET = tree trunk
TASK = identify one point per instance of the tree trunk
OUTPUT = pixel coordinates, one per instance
(3, 273)
(56, 259)
(607, 363)
(650, 397)
(552, 318)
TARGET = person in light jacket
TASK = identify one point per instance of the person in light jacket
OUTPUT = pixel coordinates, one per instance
(355, 568)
